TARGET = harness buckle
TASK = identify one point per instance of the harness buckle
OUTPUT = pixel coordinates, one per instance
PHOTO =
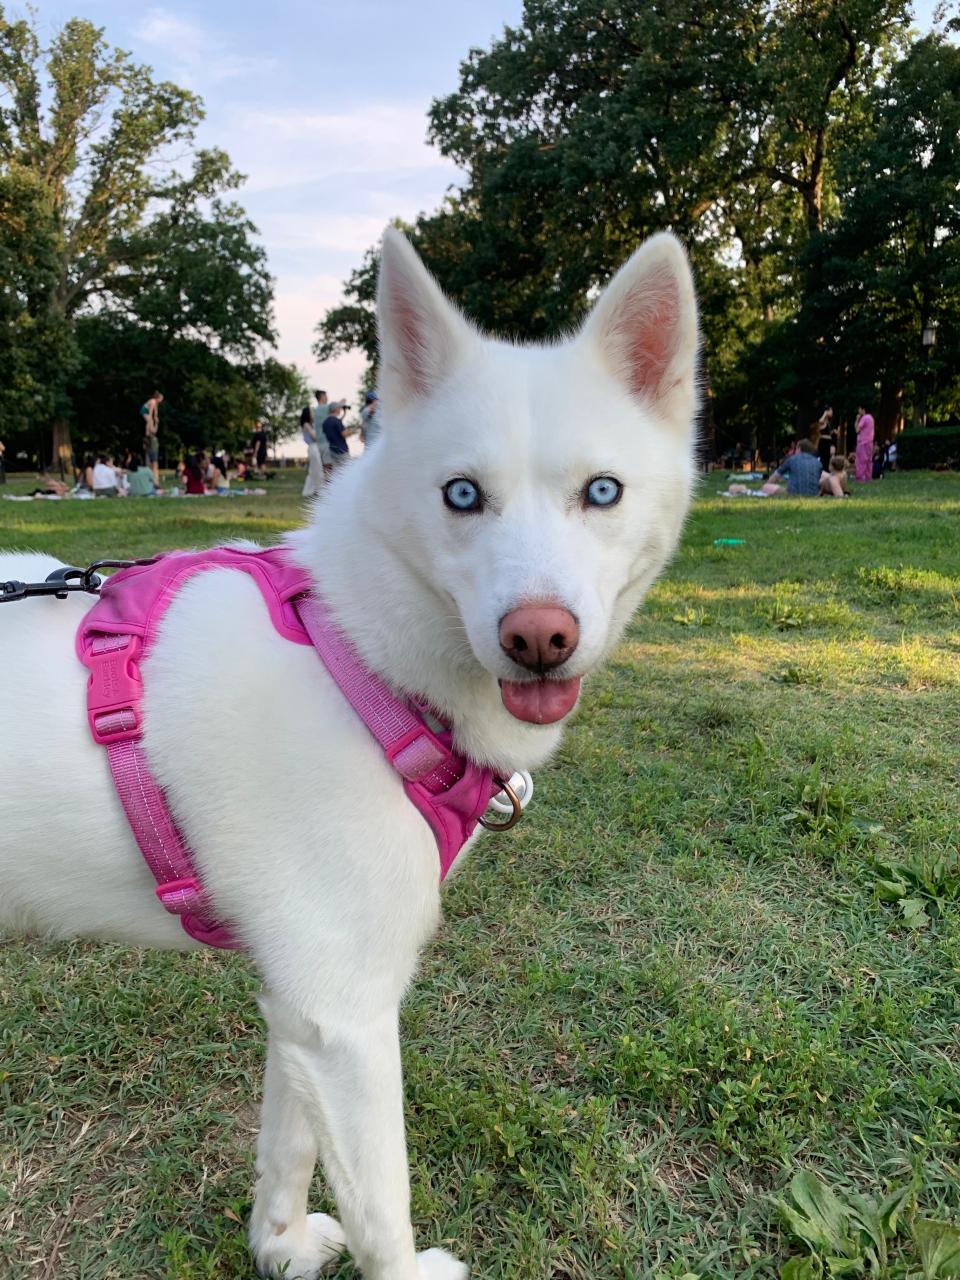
(115, 690)
(180, 896)
(417, 753)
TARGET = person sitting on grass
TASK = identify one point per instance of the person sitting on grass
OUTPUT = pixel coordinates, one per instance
(105, 481)
(192, 473)
(833, 483)
(140, 479)
(217, 474)
(802, 472)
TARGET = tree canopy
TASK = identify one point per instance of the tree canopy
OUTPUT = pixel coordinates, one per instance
(125, 261)
(792, 146)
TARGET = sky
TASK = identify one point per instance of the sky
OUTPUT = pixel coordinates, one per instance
(323, 106)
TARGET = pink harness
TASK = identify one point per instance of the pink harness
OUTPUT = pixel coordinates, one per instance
(451, 792)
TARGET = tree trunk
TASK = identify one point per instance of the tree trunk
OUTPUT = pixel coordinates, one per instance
(889, 415)
(62, 459)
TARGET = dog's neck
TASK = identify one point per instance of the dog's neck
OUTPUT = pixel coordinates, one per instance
(406, 631)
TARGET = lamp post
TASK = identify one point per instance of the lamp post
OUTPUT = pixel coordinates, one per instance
(928, 338)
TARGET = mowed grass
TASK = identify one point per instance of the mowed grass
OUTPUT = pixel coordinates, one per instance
(723, 947)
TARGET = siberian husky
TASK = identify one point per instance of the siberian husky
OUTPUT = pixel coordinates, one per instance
(483, 556)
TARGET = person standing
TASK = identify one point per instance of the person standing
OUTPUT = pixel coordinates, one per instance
(826, 441)
(150, 412)
(333, 432)
(309, 430)
(370, 419)
(864, 425)
(259, 444)
(321, 411)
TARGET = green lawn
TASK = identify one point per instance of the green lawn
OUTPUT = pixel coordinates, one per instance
(691, 973)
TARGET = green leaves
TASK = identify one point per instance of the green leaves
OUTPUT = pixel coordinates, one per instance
(850, 1234)
(91, 219)
(920, 886)
(938, 1244)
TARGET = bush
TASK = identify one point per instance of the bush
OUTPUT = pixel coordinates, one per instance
(937, 447)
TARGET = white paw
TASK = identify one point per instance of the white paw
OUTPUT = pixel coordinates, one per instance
(306, 1250)
(437, 1264)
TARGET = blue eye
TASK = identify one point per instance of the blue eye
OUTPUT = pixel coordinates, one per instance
(603, 491)
(462, 495)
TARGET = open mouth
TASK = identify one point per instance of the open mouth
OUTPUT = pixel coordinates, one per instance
(542, 701)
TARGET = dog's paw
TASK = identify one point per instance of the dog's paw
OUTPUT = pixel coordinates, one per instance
(437, 1264)
(305, 1251)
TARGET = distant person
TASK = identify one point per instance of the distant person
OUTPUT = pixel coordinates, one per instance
(826, 441)
(313, 484)
(370, 419)
(864, 425)
(85, 474)
(321, 411)
(802, 471)
(3, 469)
(333, 432)
(217, 477)
(140, 479)
(105, 483)
(259, 442)
(150, 412)
(833, 483)
(193, 475)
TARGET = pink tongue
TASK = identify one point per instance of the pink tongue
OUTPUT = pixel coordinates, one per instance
(539, 701)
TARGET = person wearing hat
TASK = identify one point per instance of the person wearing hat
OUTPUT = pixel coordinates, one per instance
(333, 432)
(370, 419)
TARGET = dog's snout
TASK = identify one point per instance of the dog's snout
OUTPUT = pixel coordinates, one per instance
(539, 636)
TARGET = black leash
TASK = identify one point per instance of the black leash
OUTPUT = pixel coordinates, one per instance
(62, 581)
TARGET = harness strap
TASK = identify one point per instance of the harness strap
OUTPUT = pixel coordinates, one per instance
(114, 694)
(416, 753)
(450, 792)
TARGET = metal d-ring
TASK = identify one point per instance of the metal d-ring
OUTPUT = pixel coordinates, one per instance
(517, 809)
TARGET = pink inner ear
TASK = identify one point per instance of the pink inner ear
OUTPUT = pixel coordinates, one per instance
(408, 332)
(646, 328)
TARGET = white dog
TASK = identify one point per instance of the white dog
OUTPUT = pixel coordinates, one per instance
(483, 556)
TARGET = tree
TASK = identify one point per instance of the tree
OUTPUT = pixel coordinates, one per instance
(282, 391)
(593, 123)
(123, 222)
(892, 263)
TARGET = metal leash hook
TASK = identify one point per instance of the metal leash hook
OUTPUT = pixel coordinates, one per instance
(63, 581)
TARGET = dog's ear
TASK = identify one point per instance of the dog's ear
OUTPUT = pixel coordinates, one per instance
(421, 333)
(645, 325)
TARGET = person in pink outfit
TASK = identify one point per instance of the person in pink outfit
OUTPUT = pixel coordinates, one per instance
(864, 425)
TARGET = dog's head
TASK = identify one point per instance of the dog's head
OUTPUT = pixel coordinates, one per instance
(540, 489)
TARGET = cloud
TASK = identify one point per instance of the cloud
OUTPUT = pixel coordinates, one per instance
(382, 142)
(197, 56)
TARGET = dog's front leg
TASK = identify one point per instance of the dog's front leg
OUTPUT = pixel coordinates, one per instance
(347, 1079)
(282, 1233)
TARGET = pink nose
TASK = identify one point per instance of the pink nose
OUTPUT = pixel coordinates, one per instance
(539, 636)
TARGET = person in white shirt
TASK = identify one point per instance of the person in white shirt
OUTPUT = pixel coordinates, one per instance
(105, 478)
(310, 424)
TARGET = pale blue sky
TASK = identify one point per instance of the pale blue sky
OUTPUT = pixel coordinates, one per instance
(323, 106)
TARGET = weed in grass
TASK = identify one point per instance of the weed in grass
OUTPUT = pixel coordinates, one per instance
(848, 1233)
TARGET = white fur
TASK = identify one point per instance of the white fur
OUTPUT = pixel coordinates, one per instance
(300, 829)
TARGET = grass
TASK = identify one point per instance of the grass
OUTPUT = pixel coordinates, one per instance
(693, 972)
